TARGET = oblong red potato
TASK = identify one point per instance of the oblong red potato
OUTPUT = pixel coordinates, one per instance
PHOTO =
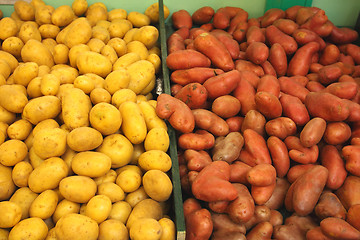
(262, 194)
(278, 59)
(221, 18)
(228, 41)
(268, 104)
(235, 123)
(276, 200)
(228, 148)
(222, 84)
(338, 228)
(244, 65)
(239, 33)
(296, 171)
(316, 234)
(175, 43)
(312, 132)
(257, 52)
(343, 35)
(281, 127)
(268, 68)
(287, 26)
(196, 160)
(274, 35)
(346, 193)
(254, 120)
(262, 213)
(279, 155)
(196, 74)
(261, 230)
(226, 106)
(352, 216)
(207, 120)
(329, 206)
(181, 18)
(291, 87)
(242, 208)
(203, 15)
(193, 94)
(299, 153)
(329, 74)
(330, 55)
(261, 175)
(238, 172)
(199, 140)
(294, 109)
(271, 15)
(245, 93)
(224, 225)
(300, 63)
(347, 90)
(185, 59)
(240, 17)
(337, 133)
(351, 154)
(255, 34)
(303, 36)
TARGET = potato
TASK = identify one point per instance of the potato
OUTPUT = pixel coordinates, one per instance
(23, 197)
(50, 84)
(145, 228)
(155, 159)
(153, 12)
(25, 72)
(98, 208)
(11, 214)
(79, 7)
(95, 44)
(113, 229)
(63, 208)
(128, 180)
(92, 62)
(28, 31)
(4, 234)
(75, 51)
(76, 106)
(110, 176)
(49, 31)
(43, 14)
(147, 208)
(35, 160)
(121, 96)
(24, 10)
(105, 118)
(84, 83)
(62, 16)
(109, 52)
(96, 13)
(4, 69)
(157, 185)
(117, 13)
(91, 164)
(12, 99)
(116, 80)
(78, 32)
(130, 34)
(119, 45)
(148, 35)
(120, 211)
(119, 27)
(10, 59)
(84, 139)
(139, 48)
(19, 130)
(20, 173)
(6, 116)
(50, 143)
(35, 51)
(155, 60)
(137, 196)
(133, 168)
(157, 139)
(168, 228)
(133, 125)
(138, 19)
(100, 95)
(12, 152)
(8, 28)
(45, 124)
(79, 189)
(44, 205)
(111, 190)
(125, 60)
(67, 74)
(13, 45)
(30, 228)
(76, 226)
(61, 54)
(52, 169)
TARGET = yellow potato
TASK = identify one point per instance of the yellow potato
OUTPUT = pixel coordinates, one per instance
(23, 197)
(110, 176)
(138, 19)
(155, 60)
(19, 130)
(50, 84)
(155, 159)
(157, 139)
(13, 45)
(6, 116)
(67, 74)
(24, 10)
(41, 108)
(35, 160)
(30, 228)
(21, 173)
(62, 16)
(25, 72)
(8, 28)
(148, 89)
(119, 27)
(153, 12)
(133, 168)
(117, 13)
(95, 45)
(150, 116)
(101, 33)
(61, 54)
(44, 205)
(139, 48)
(84, 83)
(148, 35)
(105, 118)
(78, 32)
(76, 226)
(12, 99)
(43, 14)
(111, 190)
(98, 208)
(63, 208)
(156, 50)
(12, 151)
(147, 208)
(91, 164)
(28, 31)
(68, 157)
(133, 125)
(141, 74)
(2, 80)
(84, 139)
(103, 23)
(138, 150)
(79, 7)
(129, 35)
(34, 88)
(76, 107)
(98, 81)
(7, 186)
(100, 95)
(109, 52)
(120, 211)
(126, 60)
(10, 59)
(45, 124)
(157, 185)
(135, 197)
(43, 70)
(48, 174)
(121, 96)
(119, 45)
(96, 13)
(29, 142)
(79, 189)
(49, 31)
(92, 62)
(128, 180)
(113, 229)
(51, 234)
(50, 143)
(35, 51)
(116, 80)
(168, 229)
(75, 51)
(145, 229)
(49, 43)
(4, 69)
(4, 234)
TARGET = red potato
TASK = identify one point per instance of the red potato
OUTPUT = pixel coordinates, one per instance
(337, 133)
(347, 90)
(299, 153)
(222, 84)
(296, 171)
(352, 216)
(257, 52)
(251, 77)
(316, 234)
(315, 67)
(291, 12)
(241, 16)
(346, 59)
(300, 62)
(175, 88)
(244, 65)
(219, 235)
(255, 34)
(181, 18)
(194, 32)
(278, 59)
(234, 123)
(207, 27)
(239, 33)
(304, 223)
(338, 229)
(199, 140)
(354, 51)
(238, 172)
(262, 194)
(329, 206)
(203, 15)
(305, 13)
(329, 55)
(242, 208)
(274, 35)
(218, 206)
(346, 193)
(351, 155)
(294, 109)
(196, 160)
(279, 155)
(194, 75)
(354, 110)
(276, 201)
(262, 230)
(226, 106)
(185, 59)
(329, 74)
(176, 112)
(261, 175)
(221, 18)
(254, 120)
(276, 218)
(287, 26)
(327, 106)
(319, 24)
(175, 43)
(228, 148)
(212, 183)
(223, 224)
(210, 46)
(271, 15)
(193, 94)
(227, 40)
(303, 36)
(268, 104)
(343, 35)
(291, 87)
(312, 132)
(302, 80)
(314, 86)
(254, 22)
(286, 232)
(268, 68)
(207, 120)
(183, 32)
(331, 159)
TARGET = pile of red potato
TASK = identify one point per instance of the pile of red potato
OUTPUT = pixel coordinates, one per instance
(268, 119)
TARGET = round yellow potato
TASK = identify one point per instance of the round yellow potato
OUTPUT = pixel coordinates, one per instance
(63, 208)
(84, 139)
(61, 54)
(139, 48)
(21, 173)
(79, 189)
(10, 214)
(8, 28)
(100, 95)
(135, 197)
(138, 19)
(105, 118)
(119, 45)
(116, 14)
(95, 44)
(145, 229)
(113, 229)
(12, 99)
(126, 60)
(110, 176)
(34, 88)
(6, 116)
(19, 130)
(31, 228)
(62, 16)
(76, 226)
(41, 108)
(151, 118)
(141, 74)
(43, 14)
(79, 7)
(147, 208)
(4, 69)
(155, 60)
(157, 185)
(50, 143)
(130, 34)
(13, 45)
(128, 180)
(24, 10)
(155, 159)
(119, 27)
(168, 229)
(49, 43)
(4, 234)
(66, 73)
(157, 139)
(116, 80)
(12, 151)
(50, 84)
(111, 190)
(96, 13)
(153, 12)
(98, 208)
(25, 72)
(10, 59)
(138, 150)
(23, 197)
(101, 33)
(103, 23)
(77, 32)
(91, 164)
(29, 31)
(133, 168)
(84, 83)
(45, 124)
(148, 35)
(35, 51)
(75, 51)
(109, 52)
(122, 95)
(49, 31)
(35, 160)
(92, 62)
(120, 211)
(48, 174)
(44, 205)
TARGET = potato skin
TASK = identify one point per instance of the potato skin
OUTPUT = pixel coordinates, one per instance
(41, 108)
(84, 139)
(226, 106)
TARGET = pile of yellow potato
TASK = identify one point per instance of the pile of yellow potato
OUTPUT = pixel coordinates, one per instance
(83, 154)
